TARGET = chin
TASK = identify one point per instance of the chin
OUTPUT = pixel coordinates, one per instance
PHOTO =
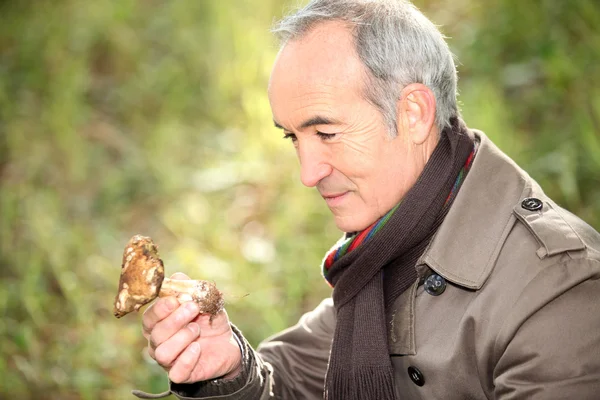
(351, 224)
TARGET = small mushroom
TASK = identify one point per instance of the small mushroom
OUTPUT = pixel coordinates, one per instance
(143, 279)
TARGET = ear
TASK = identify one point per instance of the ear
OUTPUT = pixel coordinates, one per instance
(416, 113)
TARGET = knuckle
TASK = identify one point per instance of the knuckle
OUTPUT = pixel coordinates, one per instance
(151, 352)
(146, 331)
(156, 312)
(149, 315)
(163, 356)
(176, 377)
(153, 342)
(181, 371)
(180, 318)
(146, 327)
(162, 310)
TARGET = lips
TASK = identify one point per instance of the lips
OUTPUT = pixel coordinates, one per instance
(334, 199)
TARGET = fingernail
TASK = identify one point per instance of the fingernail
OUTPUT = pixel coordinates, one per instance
(195, 347)
(192, 307)
(194, 328)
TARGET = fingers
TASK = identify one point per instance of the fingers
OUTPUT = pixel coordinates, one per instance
(158, 311)
(173, 323)
(185, 364)
(170, 332)
(161, 308)
(166, 353)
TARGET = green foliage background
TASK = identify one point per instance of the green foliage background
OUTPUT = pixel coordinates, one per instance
(125, 117)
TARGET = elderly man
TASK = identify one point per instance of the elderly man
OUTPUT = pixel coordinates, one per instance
(456, 278)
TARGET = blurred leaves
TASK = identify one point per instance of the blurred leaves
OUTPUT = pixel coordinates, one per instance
(125, 117)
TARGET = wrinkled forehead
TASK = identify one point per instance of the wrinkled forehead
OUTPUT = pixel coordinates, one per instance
(323, 58)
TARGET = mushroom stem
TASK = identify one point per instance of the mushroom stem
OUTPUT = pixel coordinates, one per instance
(177, 287)
(204, 293)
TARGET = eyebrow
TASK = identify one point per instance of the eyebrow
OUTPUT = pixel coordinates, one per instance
(317, 120)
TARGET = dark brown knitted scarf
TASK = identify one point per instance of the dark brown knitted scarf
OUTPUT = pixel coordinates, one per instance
(360, 367)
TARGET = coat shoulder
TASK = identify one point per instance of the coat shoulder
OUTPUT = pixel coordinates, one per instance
(556, 230)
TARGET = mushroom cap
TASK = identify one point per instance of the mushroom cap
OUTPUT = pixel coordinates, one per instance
(142, 274)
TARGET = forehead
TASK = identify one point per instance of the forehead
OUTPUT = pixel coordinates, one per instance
(322, 63)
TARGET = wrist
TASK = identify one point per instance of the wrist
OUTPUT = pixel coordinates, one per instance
(234, 373)
(238, 365)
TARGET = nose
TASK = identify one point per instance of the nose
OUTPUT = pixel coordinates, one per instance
(314, 164)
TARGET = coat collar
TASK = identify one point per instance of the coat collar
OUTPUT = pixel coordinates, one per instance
(469, 240)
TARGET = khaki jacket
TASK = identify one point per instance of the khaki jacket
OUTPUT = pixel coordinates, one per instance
(519, 317)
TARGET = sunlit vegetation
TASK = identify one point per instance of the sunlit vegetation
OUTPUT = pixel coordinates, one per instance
(151, 117)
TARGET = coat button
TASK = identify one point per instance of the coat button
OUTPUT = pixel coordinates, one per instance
(532, 204)
(416, 376)
(435, 284)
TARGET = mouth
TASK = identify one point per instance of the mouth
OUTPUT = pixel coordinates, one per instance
(334, 199)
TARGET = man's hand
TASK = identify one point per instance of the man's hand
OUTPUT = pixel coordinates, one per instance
(188, 345)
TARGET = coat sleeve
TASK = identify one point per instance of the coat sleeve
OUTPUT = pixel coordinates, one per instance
(289, 365)
(549, 347)
(299, 355)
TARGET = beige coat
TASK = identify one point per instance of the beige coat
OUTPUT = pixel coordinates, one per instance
(519, 317)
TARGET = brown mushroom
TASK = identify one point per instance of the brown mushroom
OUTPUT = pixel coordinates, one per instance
(143, 279)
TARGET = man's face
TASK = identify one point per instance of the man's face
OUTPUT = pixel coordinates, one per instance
(341, 139)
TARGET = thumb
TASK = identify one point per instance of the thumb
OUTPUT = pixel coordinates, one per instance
(180, 276)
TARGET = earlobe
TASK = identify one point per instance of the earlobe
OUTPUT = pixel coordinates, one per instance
(416, 112)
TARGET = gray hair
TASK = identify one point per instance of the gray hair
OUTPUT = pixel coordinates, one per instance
(396, 43)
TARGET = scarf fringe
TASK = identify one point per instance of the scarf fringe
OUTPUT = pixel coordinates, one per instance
(374, 382)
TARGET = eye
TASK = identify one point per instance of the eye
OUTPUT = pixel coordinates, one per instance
(326, 136)
(290, 136)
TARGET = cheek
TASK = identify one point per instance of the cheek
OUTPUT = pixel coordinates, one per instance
(360, 152)
(393, 174)
(370, 173)
(357, 165)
